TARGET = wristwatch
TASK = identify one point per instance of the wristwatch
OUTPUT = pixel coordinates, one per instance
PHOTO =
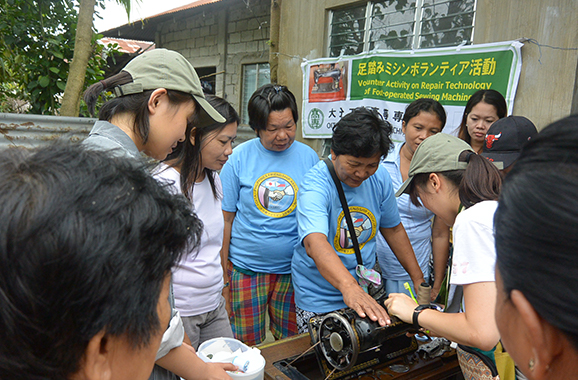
(417, 311)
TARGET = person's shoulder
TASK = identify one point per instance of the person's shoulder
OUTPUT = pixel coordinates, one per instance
(381, 176)
(242, 152)
(245, 145)
(303, 147)
(393, 154)
(317, 174)
(319, 168)
(482, 213)
(484, 207)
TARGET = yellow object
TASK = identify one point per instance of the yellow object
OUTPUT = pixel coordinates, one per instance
(408, 288)
(504, 363)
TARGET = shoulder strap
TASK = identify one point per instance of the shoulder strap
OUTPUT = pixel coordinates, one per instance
(345, 209)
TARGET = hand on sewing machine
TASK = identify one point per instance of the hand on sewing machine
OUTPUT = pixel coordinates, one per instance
(364, 304)
(400, 305)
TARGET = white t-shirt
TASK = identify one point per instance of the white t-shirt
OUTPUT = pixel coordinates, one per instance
(198, 278)
(474, 256)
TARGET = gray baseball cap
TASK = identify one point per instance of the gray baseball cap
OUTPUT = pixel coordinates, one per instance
(438, 153)
(162, 68)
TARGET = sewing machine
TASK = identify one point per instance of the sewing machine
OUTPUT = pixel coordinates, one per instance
(327, 79)
(347, 343)
(294, 359)
(346, 346)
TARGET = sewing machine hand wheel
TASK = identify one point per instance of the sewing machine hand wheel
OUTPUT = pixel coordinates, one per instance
(339, 342)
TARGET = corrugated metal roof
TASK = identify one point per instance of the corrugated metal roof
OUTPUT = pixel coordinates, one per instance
(128, 46)
(145, 29)
(30, 131)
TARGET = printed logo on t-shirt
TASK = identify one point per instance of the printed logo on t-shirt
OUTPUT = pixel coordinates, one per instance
(274, 194)
(364, 226)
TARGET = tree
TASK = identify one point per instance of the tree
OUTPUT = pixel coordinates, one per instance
(35, 38)
(36, 49)
(82, 53)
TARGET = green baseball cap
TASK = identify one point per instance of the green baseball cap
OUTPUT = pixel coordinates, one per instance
(438, 153)
(162, 68)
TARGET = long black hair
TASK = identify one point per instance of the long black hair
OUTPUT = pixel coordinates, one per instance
(188, 157)
(536, 226)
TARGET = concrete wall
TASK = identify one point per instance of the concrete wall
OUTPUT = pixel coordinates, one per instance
(547, 83)
(546, 90)
(225, 35)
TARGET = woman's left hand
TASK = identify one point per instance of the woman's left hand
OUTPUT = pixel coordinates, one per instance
(401, 306)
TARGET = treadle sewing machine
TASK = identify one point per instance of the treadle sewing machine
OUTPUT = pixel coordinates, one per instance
(342, 345)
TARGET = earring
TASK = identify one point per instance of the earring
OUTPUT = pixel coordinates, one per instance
(531, 364)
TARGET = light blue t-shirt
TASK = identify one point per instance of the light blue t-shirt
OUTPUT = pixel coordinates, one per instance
(415, 220)
(261, 187)
(372, 205)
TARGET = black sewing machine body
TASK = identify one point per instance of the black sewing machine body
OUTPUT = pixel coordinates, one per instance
(349, 343)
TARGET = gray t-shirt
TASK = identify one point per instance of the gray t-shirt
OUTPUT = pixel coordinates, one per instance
(107, 136)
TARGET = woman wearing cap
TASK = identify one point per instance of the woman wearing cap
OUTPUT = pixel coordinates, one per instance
(461, 188)
(192, 170)
(537, 266)
(482, 109)
(422, 118)
(150, 114)
(151, 109)
(260, 184)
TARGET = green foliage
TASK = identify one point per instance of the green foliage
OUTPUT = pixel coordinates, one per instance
(36, 48)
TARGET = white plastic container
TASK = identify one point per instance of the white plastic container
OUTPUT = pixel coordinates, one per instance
(228, 350)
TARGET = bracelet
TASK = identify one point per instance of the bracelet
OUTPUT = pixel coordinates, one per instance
(226, 284)
(416, 313)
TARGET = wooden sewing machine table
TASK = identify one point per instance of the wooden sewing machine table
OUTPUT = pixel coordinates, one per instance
(443, 367)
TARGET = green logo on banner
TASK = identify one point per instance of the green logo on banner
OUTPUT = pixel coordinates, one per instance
(315, 118)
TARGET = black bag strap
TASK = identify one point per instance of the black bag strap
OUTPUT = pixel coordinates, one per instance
(345, 209)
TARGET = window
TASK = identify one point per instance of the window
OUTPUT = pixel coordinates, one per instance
(254, 76)
(401, 24)
(207, 78)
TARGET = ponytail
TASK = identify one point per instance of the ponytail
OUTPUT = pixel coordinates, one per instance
(481, 180)
(93, 92)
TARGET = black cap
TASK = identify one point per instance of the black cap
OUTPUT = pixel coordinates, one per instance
(506, 137)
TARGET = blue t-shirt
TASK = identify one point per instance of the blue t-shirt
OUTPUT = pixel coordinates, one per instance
(372, 205)
(415, 220)
(261, 186)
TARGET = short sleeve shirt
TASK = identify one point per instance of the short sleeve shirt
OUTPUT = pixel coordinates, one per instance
(372, 206)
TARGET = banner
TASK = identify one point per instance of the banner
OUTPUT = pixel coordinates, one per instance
(390, 80)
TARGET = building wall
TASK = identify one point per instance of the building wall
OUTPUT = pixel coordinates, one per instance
(225, 35)
(547, 82)
(546, 90)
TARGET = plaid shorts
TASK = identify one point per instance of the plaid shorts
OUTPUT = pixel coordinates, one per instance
(252, 296)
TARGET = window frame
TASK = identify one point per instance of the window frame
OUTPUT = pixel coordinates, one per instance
(416, 39)
(243, 104)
